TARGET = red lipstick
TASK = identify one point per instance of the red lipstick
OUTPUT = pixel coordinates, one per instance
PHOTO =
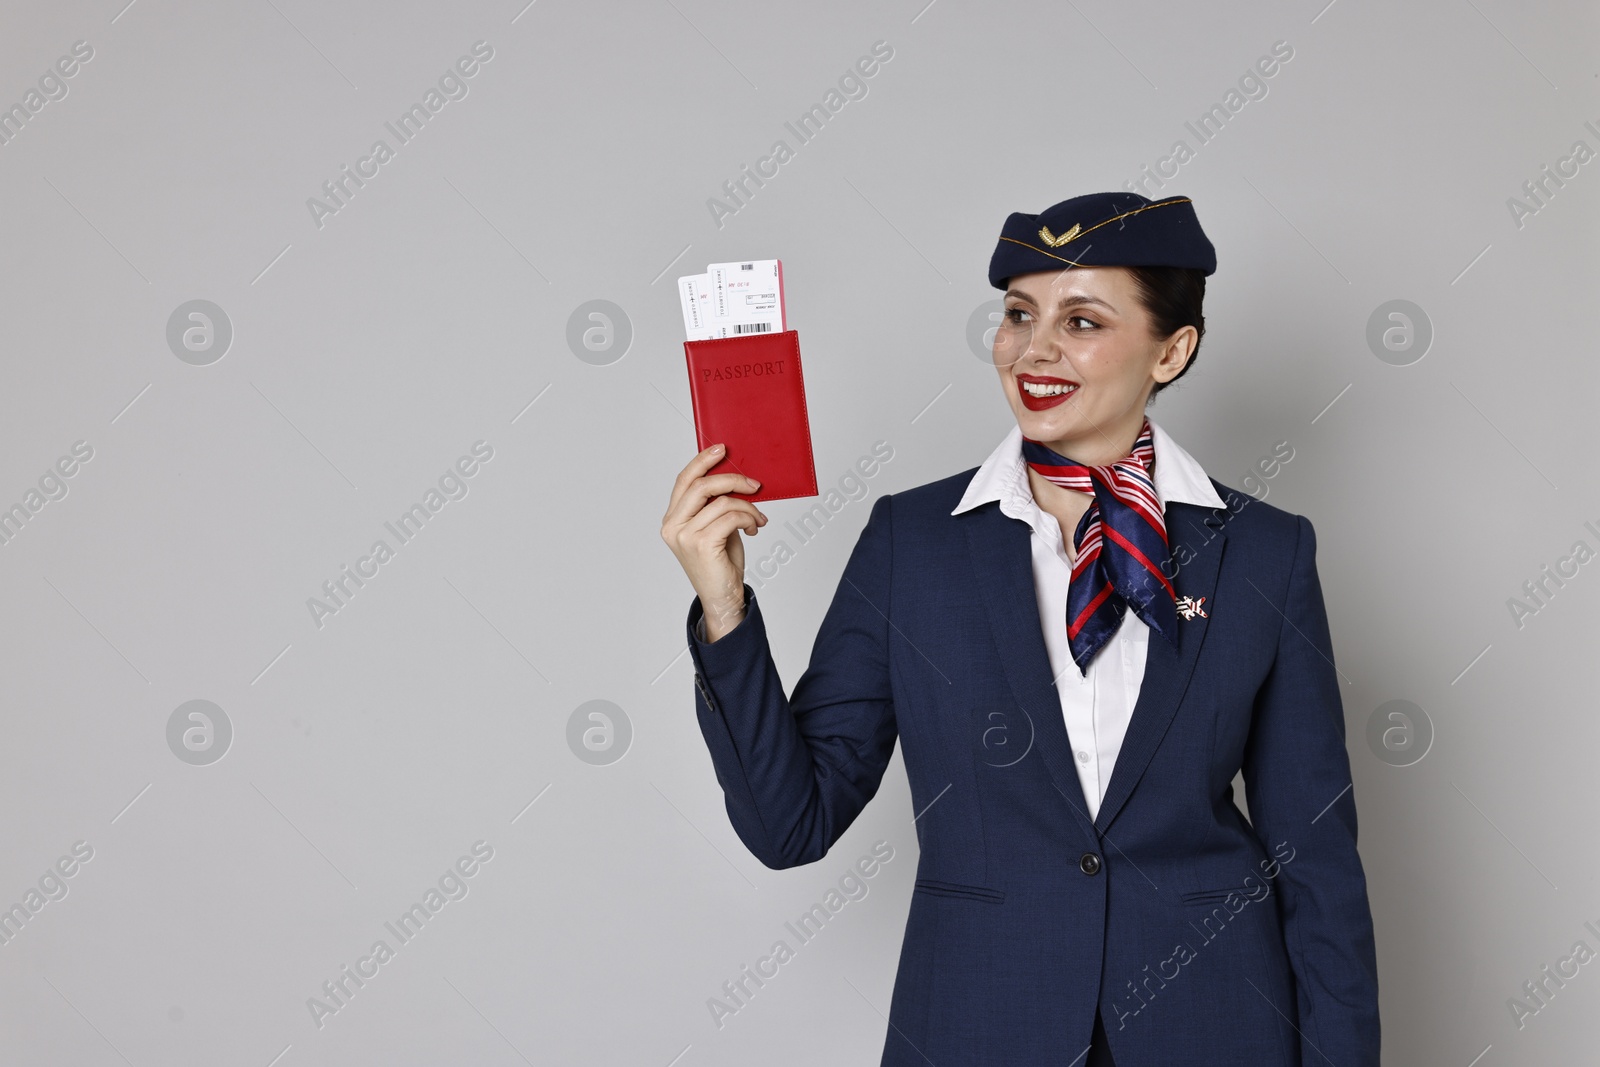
(1066, 387)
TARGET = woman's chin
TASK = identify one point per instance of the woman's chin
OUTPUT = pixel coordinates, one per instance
(1050, 424)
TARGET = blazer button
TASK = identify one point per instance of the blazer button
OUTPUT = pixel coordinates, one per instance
(1089, 863)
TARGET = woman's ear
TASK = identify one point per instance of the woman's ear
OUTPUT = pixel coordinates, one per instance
(1175, 353)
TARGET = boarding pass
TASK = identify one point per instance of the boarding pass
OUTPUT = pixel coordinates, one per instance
(733, 300)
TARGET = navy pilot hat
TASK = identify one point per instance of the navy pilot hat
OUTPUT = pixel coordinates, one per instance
(1102, 230)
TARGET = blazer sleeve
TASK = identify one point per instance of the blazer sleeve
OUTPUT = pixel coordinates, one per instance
(1298, 787)
(796, 770)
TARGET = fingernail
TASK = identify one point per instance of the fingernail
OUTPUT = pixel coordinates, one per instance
(716, 448)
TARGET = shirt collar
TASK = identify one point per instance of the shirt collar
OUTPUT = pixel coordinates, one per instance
(1003, 476)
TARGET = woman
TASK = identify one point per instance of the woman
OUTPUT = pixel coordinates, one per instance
(1072, 709)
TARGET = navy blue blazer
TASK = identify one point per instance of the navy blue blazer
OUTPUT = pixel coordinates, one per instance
(1201, 937)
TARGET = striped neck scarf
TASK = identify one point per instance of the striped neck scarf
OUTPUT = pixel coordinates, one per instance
(1121, 543)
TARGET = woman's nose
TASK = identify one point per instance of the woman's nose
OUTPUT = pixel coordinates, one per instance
(1039, 345)
(1015, 343)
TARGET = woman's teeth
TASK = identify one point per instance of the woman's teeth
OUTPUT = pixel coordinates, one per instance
(1035, 389)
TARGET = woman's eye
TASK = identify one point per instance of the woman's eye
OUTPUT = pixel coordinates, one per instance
(1016, 316)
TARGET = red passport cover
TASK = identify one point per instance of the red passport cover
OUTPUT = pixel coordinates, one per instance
(748, 392)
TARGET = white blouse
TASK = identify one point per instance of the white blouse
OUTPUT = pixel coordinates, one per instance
(1098, 705)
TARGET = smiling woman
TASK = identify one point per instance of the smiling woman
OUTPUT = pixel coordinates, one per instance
(1105, 338)
(1153, 637)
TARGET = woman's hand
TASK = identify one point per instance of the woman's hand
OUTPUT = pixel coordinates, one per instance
(705, 536)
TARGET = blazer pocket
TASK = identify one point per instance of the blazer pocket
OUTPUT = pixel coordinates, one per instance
(1215, 896)
(956, 889)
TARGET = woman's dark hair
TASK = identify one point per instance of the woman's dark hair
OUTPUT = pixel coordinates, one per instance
(1173, 296)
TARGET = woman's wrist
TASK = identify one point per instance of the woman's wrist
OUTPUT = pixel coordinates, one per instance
(721, 615)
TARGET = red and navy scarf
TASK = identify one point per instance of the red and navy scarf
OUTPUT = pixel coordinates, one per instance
(1121, 543)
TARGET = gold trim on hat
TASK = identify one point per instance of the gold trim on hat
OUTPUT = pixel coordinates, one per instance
(1042, 252)
(1075, 233)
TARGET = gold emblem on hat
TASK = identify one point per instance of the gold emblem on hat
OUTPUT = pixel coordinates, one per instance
(1056, 242)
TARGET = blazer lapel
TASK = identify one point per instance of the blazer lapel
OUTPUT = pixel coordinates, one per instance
(1002, 563)
(1197, 537)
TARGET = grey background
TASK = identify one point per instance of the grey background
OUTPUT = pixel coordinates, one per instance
(432, 311)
